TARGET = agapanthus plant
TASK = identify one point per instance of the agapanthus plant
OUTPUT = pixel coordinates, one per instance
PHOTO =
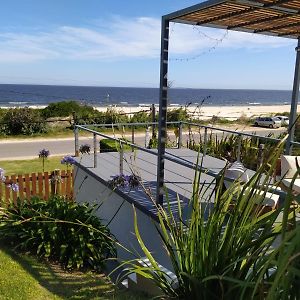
(85, 148)
(12, 185)
(121, 180)
(43, 154)
(68, 160)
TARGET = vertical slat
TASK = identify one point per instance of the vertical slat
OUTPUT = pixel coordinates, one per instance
(21, 186)
(27, 187)
(69, 183)
(40, 184)
(14, 194)
(7, 190)
(63, 183)
(46, 182)
(33, 181)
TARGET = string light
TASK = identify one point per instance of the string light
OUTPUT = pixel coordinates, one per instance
(214, 47)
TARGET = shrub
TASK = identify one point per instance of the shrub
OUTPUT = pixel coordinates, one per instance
(176, 115)
(60, 230)
(25, 121)
(108, 145)
(141, 117)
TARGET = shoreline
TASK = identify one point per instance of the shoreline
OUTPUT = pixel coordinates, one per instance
(232, 112)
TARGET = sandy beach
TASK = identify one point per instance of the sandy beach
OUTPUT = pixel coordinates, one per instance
(206, 112)
(228, 112)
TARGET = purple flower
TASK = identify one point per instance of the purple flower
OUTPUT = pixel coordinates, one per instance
(2, 176)
(14, 187)
(122, 180)
(68, 160)
(44, 153)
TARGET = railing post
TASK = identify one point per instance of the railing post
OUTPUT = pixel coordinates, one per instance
(238, 156)
(190, 136)
(95, 150)
(260, 156)
(121, 158)
(132, 137)
(147, 137)
(76, 136)
(153, 121)
(205, 142)
(179, 135)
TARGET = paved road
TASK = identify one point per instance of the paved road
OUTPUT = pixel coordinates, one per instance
(21, 149)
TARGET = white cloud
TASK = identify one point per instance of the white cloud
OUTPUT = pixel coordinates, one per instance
(122, 39)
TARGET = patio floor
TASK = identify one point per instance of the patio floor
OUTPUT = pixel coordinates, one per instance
(178, 178)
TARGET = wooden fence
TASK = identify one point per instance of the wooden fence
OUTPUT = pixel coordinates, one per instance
(42, 185)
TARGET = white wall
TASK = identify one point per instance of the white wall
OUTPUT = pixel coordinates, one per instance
(91, 190)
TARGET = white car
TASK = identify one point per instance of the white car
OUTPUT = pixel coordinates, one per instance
(284, 120)
(271, 122)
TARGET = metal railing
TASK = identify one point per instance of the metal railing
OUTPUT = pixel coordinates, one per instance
(167, 156)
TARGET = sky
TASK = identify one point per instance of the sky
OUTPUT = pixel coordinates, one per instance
(117, 43)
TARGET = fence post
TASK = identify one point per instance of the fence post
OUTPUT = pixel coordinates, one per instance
(179, 135)
(95, 150)
(260, 156)
(238, 156)
(121, 158)
(132, 137)
(76, 135)
(55, 179)
(190, 137)
(205, 142)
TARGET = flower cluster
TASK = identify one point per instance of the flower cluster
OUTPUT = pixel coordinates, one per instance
(85, 148)
(44, 153)
(121, 180)
(68, 160)
(2, 176)
(13, 186)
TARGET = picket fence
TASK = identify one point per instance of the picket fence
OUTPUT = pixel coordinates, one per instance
(42, 185)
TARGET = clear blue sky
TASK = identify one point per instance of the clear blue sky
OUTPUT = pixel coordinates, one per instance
(117, 43)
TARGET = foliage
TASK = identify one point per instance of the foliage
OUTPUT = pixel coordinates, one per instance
(66, 109)
(179, 114)
(141, 117)
(60, 230)
(221, 250)
(108, 145)
(227, 147)
(24, 121)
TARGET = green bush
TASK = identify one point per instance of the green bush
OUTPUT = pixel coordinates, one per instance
(108, 145)
(179, 114)
(141, 117)
(25, 121)
(60, 230)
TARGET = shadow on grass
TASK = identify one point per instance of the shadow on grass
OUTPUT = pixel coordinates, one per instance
(68, 285)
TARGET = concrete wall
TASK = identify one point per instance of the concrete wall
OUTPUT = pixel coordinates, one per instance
(118, 213)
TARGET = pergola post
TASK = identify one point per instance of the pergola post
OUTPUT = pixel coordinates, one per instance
(294, 103)
(163, 97)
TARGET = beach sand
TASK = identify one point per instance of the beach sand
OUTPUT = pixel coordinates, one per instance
(228, 112)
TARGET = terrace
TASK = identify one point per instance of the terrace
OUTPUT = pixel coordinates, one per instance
(94, 171)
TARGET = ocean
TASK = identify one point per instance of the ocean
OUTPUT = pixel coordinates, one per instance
(12, 95)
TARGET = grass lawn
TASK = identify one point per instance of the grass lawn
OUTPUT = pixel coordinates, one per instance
(23, 277)
(31, 165)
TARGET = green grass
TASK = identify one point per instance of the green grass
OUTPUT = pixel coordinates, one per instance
(31, 166)
(23, 277)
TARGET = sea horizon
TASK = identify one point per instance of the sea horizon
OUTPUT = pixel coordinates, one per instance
(14, 95)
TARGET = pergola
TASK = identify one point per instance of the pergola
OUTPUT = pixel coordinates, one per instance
(279, 18)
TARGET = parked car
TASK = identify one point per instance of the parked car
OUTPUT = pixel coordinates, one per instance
(271, 122)
(284, 120)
